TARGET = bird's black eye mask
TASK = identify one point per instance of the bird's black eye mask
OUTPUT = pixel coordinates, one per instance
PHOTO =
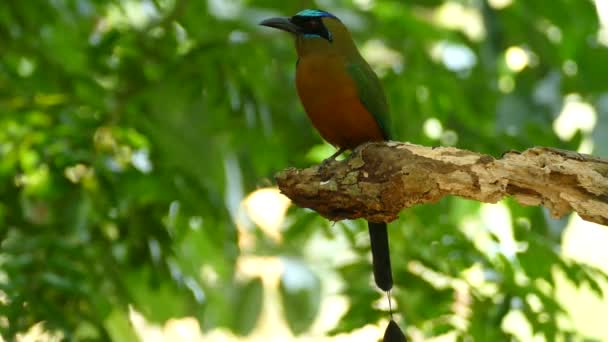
(311, 27)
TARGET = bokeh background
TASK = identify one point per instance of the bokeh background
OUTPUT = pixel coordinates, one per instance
(138, 143)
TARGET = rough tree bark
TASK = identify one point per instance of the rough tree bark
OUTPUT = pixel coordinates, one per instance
(378, 180)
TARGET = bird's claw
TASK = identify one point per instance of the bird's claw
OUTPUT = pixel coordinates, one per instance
(327, 161)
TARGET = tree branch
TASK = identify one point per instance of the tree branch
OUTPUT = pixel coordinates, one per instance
(378, 180)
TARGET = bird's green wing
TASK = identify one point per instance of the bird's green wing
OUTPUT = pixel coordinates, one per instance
(371, 93)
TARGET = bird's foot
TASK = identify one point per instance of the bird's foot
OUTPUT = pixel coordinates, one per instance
(327, 161)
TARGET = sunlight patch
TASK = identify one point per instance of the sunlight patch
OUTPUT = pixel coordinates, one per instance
(576, 115)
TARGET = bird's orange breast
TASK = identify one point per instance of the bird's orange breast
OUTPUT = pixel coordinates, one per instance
(330, 99)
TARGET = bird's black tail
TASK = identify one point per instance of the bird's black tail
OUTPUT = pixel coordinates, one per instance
(381, 257)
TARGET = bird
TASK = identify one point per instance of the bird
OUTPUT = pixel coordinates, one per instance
(343, 98)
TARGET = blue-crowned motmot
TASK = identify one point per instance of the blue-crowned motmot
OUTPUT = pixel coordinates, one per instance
(344, 100)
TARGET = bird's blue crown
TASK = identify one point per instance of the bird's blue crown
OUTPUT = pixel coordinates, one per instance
(315, 13)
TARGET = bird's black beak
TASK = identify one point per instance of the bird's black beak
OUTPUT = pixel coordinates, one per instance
(284, 24)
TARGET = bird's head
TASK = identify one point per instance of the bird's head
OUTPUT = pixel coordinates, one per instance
(315, 31)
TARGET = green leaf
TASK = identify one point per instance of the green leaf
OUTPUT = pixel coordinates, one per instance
(157, 299)
(119, 327)
(247, 306)
(300, 291)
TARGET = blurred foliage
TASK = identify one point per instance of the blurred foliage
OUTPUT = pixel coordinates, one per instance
(131, 130)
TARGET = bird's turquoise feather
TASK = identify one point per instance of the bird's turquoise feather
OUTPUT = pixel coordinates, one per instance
(315, 13)
(371, 95)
